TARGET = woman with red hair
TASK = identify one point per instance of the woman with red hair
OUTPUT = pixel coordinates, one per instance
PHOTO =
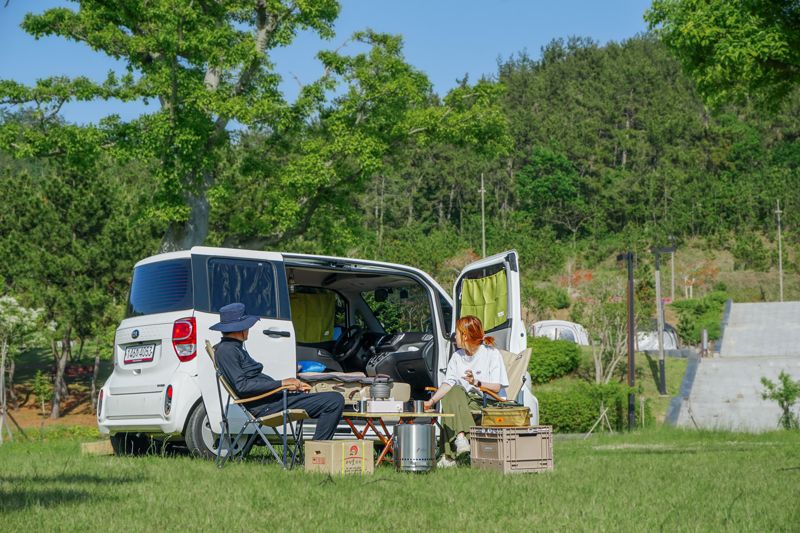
(477, 364)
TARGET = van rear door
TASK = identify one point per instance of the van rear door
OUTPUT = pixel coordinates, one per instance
(258, 280)
(489, 289)
(144, 356)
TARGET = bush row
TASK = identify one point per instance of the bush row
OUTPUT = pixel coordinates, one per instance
(576, 409)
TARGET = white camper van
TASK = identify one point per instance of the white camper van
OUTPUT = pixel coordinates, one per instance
(350, 315)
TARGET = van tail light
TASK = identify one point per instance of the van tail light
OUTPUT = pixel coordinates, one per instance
(168, 400)
(184, 338)
(100, 403)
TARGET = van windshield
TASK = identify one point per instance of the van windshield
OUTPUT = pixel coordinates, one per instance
(161, 287)
(401, 309)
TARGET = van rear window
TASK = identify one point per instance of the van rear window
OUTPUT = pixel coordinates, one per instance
(161, 287)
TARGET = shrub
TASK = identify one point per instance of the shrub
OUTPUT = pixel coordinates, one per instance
(568, 411)
(785, 393)
(698, 314)
(577, 408)
(552, 359)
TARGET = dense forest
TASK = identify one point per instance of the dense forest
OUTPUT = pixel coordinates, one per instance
(610, 148)
(585, 150)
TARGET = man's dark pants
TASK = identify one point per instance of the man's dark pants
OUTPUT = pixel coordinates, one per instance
(326, 407)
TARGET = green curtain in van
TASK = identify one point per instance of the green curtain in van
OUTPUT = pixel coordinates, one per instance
(313, 314)
(486, 298)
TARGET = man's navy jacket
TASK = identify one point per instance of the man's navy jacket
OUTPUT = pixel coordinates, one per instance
(241, 371)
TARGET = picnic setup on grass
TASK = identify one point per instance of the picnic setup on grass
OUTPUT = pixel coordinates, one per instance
(338, 364)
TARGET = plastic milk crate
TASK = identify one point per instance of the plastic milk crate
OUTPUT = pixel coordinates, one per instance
(512, 449)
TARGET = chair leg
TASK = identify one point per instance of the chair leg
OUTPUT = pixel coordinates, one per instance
(269, 446)
(220, 460)
(285, 436)
(297, 450)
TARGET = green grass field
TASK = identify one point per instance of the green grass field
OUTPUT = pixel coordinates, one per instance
(658, 480)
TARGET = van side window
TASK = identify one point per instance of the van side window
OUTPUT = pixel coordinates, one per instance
(239, 280)
(161, 287)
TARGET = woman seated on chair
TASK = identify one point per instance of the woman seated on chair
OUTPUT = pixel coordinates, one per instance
(476, 364)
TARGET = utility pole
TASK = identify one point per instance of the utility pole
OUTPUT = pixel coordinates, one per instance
(631, 333)
(672, 274)
(483, 219)
(780, 251)
(662, 384)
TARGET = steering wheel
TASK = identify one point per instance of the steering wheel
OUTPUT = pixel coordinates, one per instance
(348, 343)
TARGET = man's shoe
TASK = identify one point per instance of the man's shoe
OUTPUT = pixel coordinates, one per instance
(444, 462)
(462, 445)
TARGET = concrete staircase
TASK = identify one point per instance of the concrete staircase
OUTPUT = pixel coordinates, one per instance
(759, 340)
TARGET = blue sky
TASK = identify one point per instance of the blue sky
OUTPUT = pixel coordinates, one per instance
(446, 39)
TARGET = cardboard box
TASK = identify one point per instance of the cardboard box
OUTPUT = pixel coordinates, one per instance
(337, 457)
(512, 449)
(102, 447)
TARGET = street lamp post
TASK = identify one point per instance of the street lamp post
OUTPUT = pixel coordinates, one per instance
(628, 256)
(662, 383)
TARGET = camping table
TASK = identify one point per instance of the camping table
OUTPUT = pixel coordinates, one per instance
(375, 422)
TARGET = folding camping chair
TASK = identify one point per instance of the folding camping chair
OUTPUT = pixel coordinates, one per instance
(291, 420)
(516, 365)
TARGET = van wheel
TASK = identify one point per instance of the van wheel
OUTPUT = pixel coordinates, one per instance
(200, 440)
(131, 443)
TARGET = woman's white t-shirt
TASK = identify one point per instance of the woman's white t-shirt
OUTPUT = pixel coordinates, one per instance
(487, 367)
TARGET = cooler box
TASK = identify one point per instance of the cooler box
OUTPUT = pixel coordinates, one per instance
(512, 449)
(506, 417)
(338, 457)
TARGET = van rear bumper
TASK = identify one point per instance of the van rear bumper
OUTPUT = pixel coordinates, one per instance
(144, 412)
(138, 425)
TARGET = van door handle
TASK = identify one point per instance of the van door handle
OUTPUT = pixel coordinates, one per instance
(277, 333)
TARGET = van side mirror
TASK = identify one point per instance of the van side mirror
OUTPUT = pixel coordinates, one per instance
(381, 295)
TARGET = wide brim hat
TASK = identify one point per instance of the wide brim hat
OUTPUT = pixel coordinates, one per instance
(232, 318)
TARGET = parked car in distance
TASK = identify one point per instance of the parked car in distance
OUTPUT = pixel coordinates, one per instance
(561, 330)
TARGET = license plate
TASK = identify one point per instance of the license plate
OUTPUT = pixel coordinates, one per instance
(139, 354)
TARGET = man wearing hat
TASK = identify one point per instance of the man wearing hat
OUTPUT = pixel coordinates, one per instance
(244, 374)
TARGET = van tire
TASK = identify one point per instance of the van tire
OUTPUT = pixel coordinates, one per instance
(200, 440)
(131, 444)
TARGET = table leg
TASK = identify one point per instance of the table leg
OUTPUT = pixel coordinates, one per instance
(358, 434)
(387, 449)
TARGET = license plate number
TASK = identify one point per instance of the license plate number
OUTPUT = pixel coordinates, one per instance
(139, 354)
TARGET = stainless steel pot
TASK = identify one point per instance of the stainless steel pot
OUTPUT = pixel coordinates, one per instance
(414, 448)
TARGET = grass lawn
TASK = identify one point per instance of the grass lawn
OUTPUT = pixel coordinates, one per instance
(660, 479)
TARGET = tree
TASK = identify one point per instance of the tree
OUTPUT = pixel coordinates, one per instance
(19, 326)
(785, 393)
(734, 49)
(279, 182)
(206, 63)
(68, 235)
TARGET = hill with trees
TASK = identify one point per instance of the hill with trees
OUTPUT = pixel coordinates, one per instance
(585, 150)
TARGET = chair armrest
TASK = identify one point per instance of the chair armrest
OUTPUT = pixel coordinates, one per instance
(492, 394)
(260, 396)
